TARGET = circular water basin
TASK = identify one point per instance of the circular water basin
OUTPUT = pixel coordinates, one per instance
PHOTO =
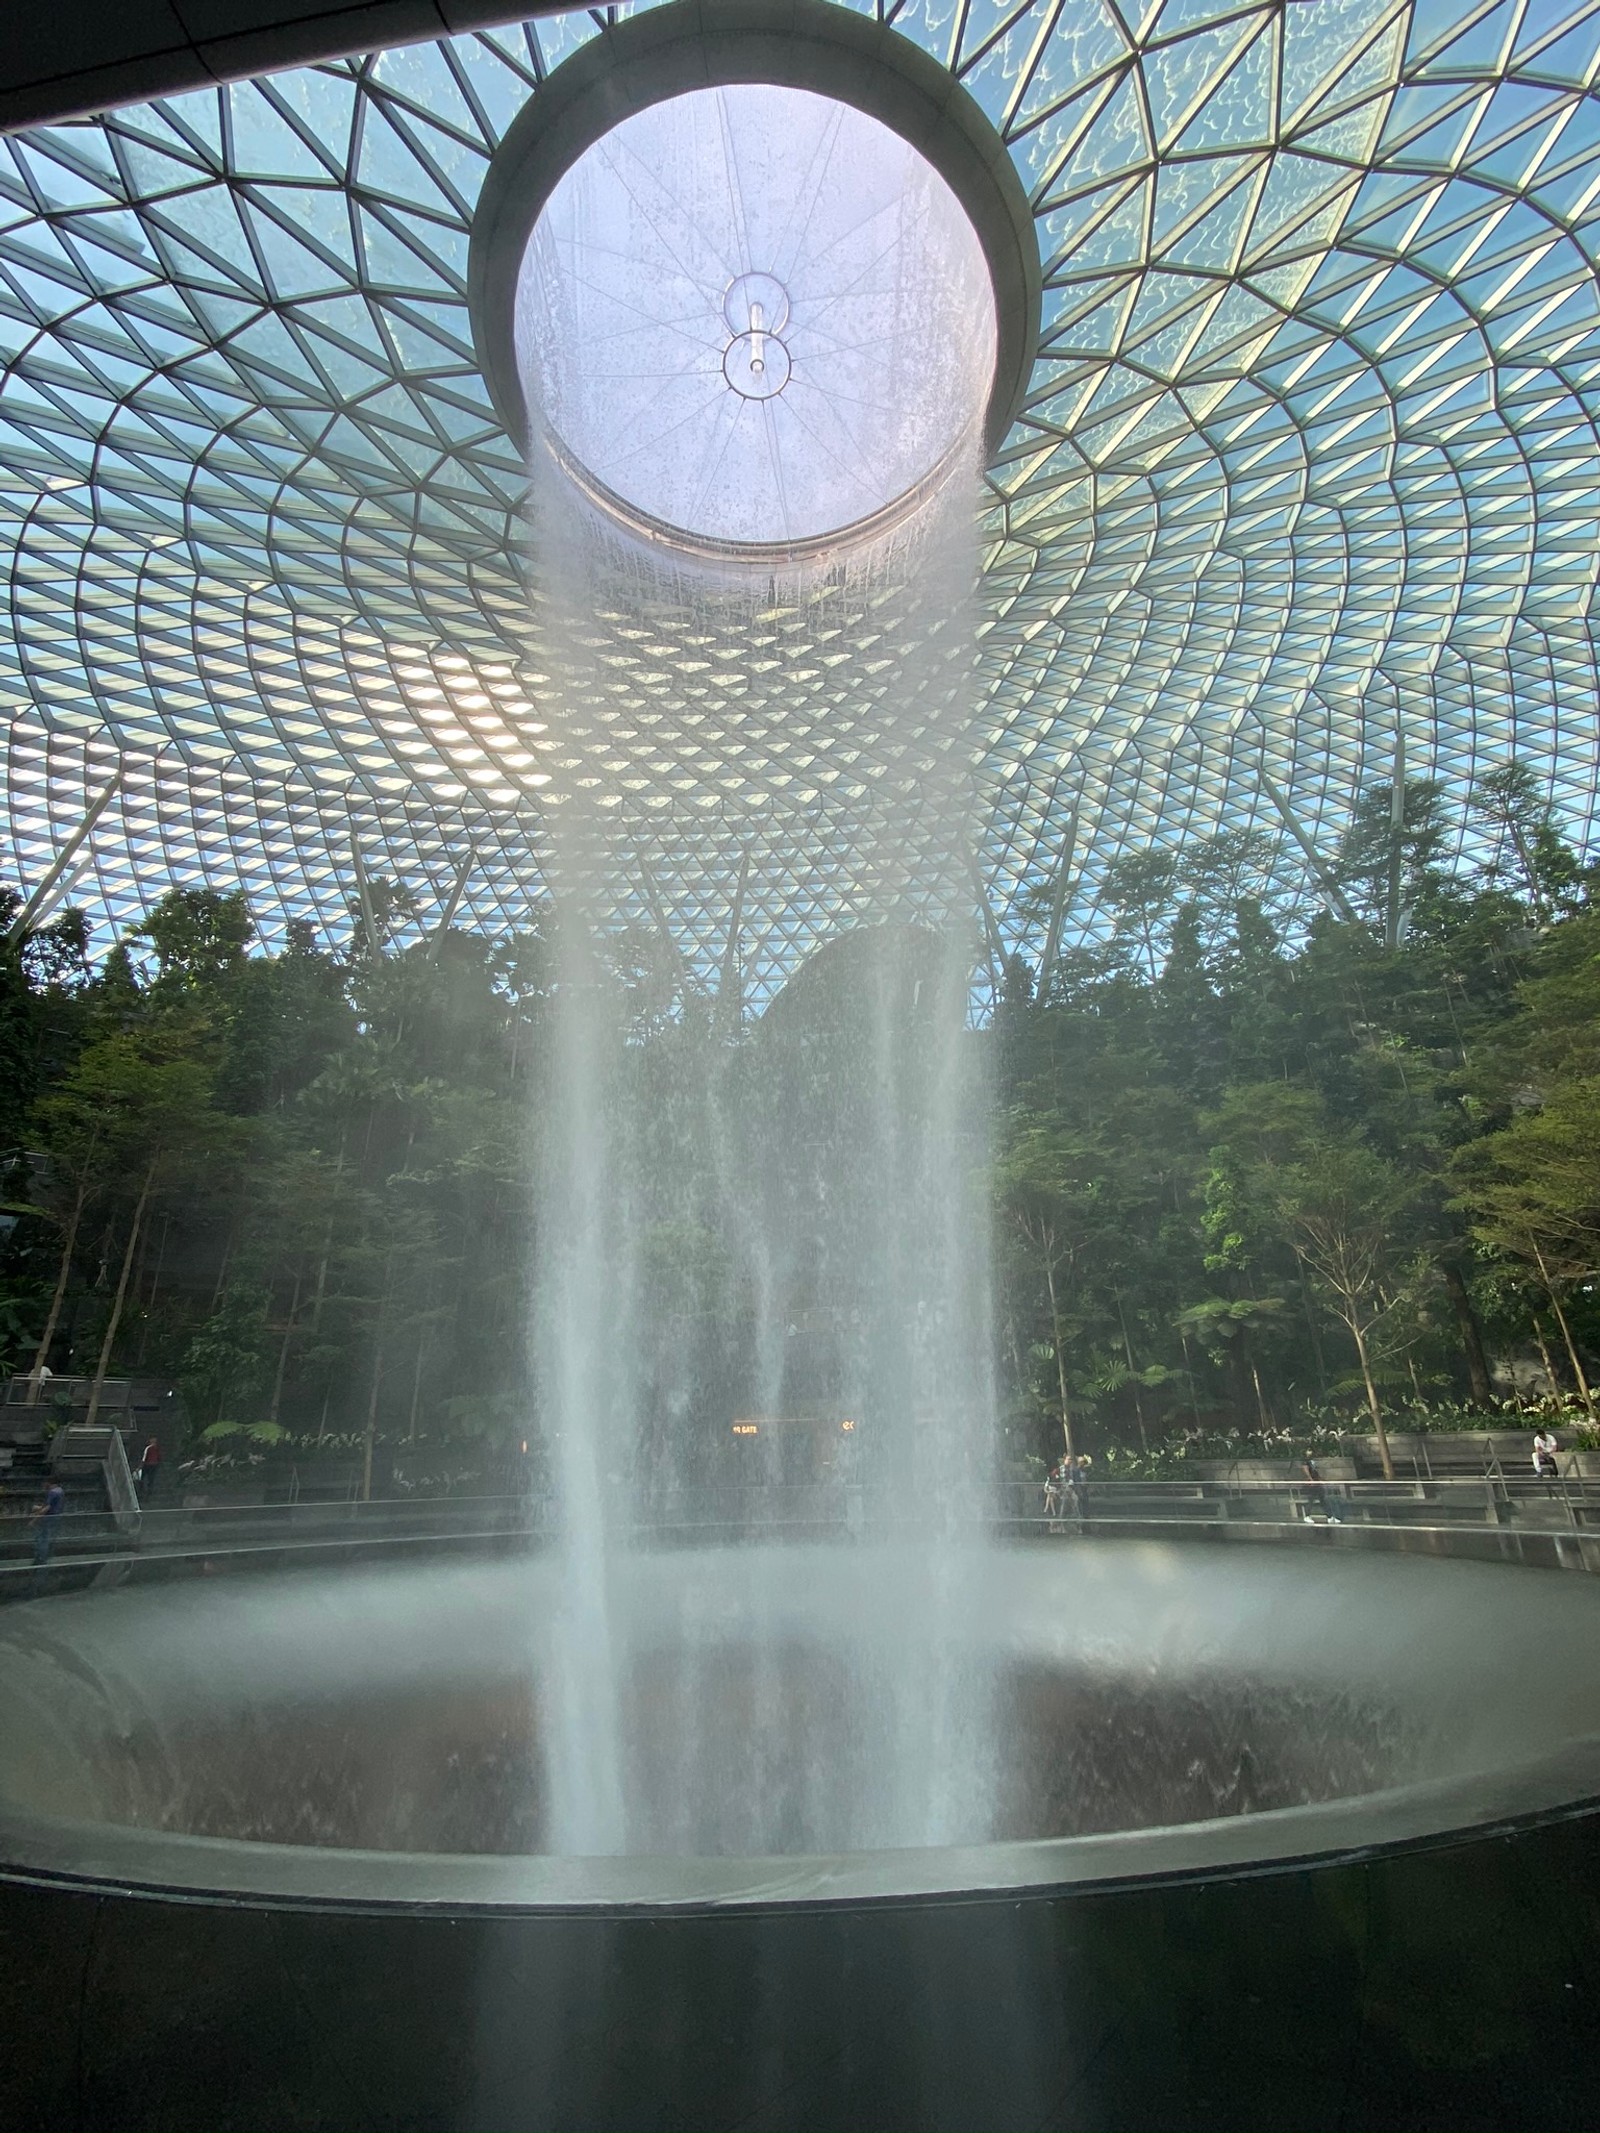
(811, 1721)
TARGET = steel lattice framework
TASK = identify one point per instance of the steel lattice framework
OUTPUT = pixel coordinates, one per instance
(1308, 467)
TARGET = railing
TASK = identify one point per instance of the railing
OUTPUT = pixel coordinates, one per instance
(121, 1493)
(1565, 1499)
(179, 1529)
(53, 1391)
(1565, 1503)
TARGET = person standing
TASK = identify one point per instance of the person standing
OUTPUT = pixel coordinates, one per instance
(1077, 1490)
(149, 1468)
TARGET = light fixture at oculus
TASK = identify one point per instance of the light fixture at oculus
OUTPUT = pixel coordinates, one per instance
(754, 320)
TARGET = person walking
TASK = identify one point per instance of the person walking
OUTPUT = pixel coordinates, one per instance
(46, 1523)
(149, 1469)
(1055, 1483)
(1315, 1494)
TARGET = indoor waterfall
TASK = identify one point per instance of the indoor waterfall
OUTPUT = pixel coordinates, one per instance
(780, 1222)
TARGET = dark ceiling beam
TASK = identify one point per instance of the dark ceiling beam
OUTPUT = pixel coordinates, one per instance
(63, 59)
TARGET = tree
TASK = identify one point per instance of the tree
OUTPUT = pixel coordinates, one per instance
(366, 1126)
(131, 1125)
(1049, 1199)
(1530, 849)
(1388, 861)
(1532, 1190)
(43, 978)
(1139, 888)
(1228, 1326)
(378, 915)
(199, 936)
(230, 1357)
(1343, 1207)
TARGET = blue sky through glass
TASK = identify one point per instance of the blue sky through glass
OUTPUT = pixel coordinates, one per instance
(1309, 459)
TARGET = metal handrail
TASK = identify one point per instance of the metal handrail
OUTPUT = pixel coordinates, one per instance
(121, 1492)
(331, 1544)
(798, 1507)
(1338, 1496)
(47, 1392)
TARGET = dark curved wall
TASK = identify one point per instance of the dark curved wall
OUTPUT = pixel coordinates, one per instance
(76, 56)
(798, 44)
(1448, 1984)
(1451, 1987)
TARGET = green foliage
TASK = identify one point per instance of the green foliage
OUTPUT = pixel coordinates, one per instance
(307, 1172)
(1532, 1189)
(1292, 1173)
(1376, 869)
(1260, 1172)
(229, 1357)
(251, 1432)
(199, 936)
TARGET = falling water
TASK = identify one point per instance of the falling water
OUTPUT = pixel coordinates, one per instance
(584, 1252)
(811, 1181)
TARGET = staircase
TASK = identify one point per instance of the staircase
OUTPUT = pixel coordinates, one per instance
(102, 1507)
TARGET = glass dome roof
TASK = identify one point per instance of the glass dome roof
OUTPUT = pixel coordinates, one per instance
(753, 317)
(1309, 466)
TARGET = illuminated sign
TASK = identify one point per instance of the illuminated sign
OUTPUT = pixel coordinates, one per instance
(746, 1429)
(847, 1425)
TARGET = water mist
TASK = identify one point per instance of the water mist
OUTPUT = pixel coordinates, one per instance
(778, 1221)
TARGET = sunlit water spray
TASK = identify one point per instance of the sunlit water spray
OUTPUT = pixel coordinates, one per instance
(763, 317)
(816, 1176)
